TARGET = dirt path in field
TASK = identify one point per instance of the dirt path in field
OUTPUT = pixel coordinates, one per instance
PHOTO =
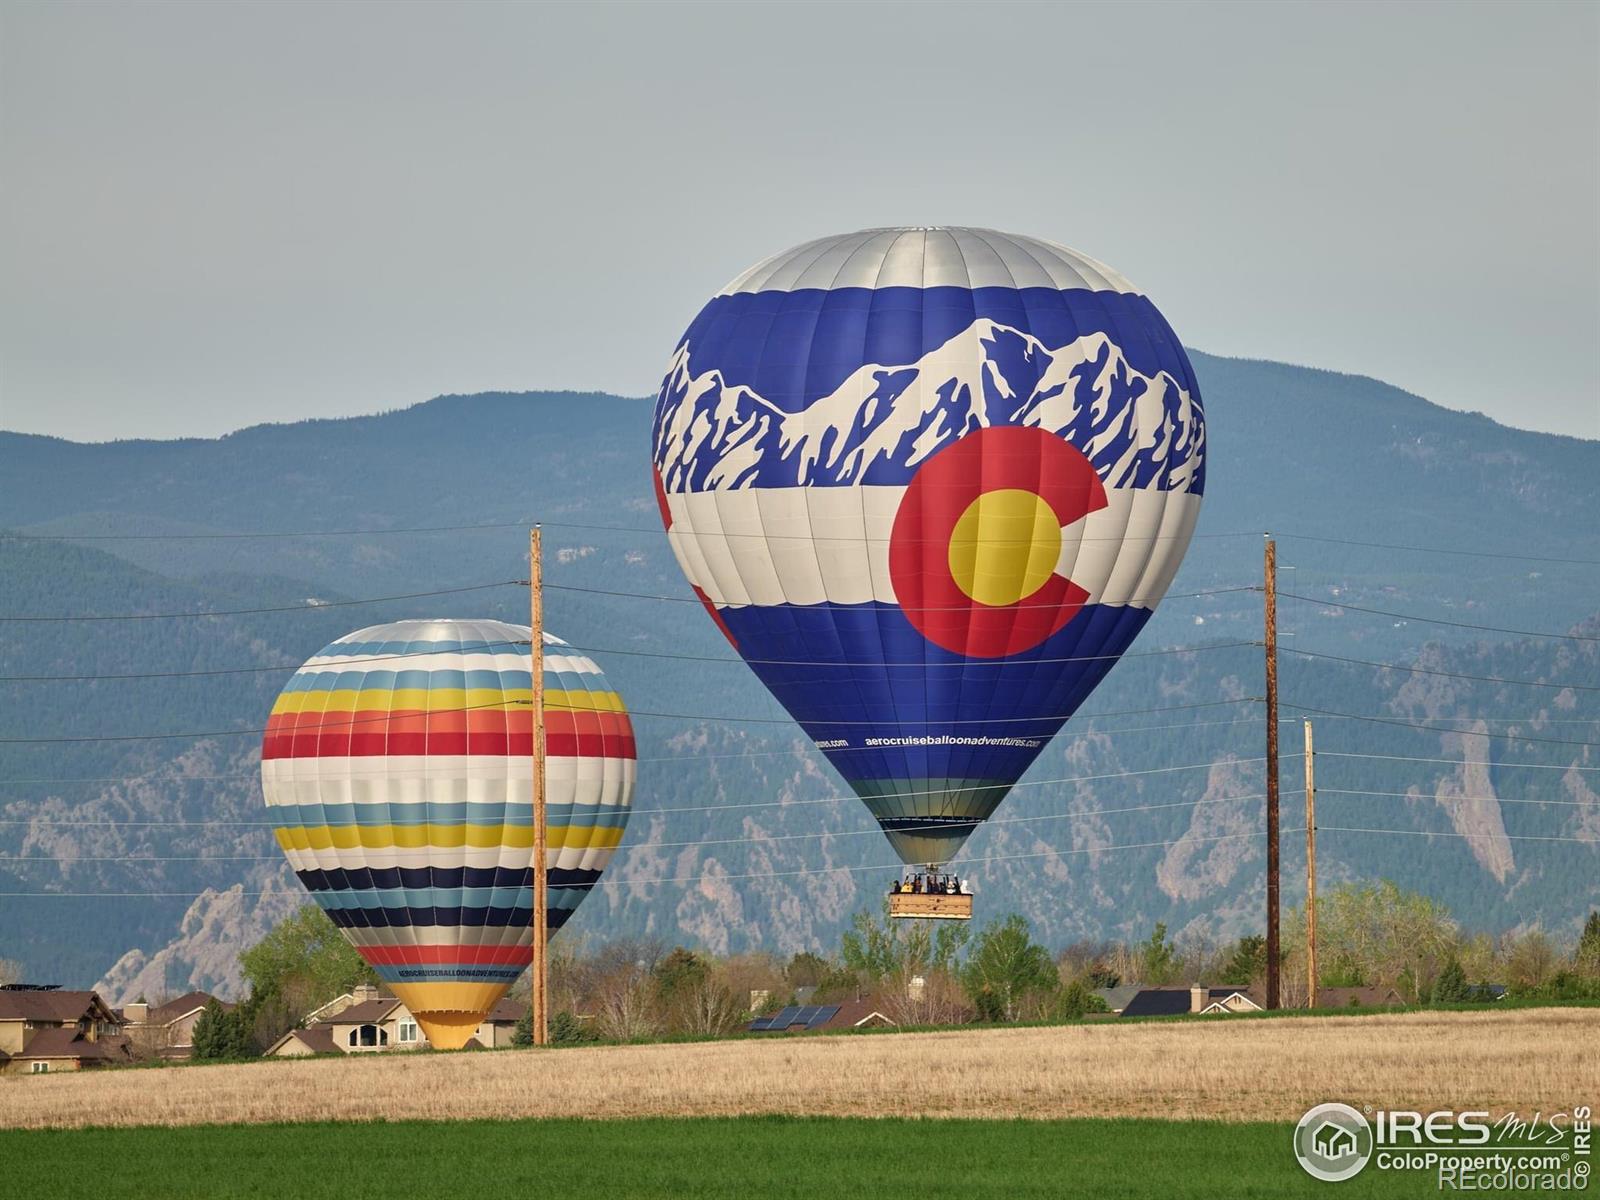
(1237, 1069)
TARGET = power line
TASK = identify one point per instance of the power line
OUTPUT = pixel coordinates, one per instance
(1308, 537)
(1367, 662)
(896, 868)
(305, 606)
(1514, 737)
(837, 799)
(1515, 837)
(738, 841)
(561, 587)
(1383, 612)
(675, 759)
(606, 652)
(1413, 796)
(326, 727)
(1456, 762)
(593, 527)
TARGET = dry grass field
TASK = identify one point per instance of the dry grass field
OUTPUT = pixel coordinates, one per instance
(1230, 1068)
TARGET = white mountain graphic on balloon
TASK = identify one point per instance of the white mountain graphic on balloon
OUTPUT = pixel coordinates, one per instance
(876, 426)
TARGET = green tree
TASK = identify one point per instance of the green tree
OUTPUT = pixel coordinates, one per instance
(679, 973)
(1450, 987)
(522, 1035)
(806, 969)
(1076, 1000)
(305, 953)
(1158, 959)
(1587, 957)
(223, 1034)
(1248, 962)
(1007, 966)
(882, 945)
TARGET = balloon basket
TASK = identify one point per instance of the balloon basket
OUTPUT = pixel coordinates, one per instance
(926, 902)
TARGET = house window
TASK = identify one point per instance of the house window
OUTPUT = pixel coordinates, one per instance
(41, 1068)
(367, 1036)
(408, 1031)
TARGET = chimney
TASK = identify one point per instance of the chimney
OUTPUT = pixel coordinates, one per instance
(1199, 997)
(915, 988)
(759, 998)
(136, 1013)
(363, 991)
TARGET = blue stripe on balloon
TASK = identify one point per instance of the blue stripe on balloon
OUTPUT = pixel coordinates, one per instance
(340, 878)
(512, 812)
(401, 916)
(795, 347)
(897, 684)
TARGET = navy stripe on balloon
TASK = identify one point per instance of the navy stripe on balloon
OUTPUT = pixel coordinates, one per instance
(406, 917)
(363, 878)
(793, 348)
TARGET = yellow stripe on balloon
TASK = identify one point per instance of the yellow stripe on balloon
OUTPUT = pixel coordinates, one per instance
(409, 699)
(443, 700)
(577, 700)
(449, 837)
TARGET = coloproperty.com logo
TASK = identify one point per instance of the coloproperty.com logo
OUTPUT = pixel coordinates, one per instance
(1460, 1151)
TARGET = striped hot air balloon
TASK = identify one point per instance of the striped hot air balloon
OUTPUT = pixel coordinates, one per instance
(930, 483)
(397, 765)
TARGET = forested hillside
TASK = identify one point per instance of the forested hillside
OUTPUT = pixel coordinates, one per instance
(741, 836)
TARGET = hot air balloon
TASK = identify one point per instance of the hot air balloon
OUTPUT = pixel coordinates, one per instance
(397, 765)
(930, 483)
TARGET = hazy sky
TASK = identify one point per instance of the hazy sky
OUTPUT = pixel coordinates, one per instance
(213, 215)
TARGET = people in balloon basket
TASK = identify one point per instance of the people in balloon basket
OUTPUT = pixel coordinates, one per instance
(931, 885)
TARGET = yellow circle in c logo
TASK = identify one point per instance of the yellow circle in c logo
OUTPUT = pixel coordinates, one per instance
(1005, 546)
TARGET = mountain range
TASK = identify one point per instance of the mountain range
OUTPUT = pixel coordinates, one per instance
(1136, 430)
(144, 864)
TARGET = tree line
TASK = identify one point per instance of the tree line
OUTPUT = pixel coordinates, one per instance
(921, 973)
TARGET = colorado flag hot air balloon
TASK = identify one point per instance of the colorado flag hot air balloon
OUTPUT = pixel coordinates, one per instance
(398, 767)
(930, 483)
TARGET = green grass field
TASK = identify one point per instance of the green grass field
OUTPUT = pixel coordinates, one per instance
(734, 1157)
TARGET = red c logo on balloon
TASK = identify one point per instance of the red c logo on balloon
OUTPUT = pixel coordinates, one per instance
(973, 550)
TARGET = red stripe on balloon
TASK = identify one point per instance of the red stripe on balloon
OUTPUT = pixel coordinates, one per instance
(412, 956)
(490, 733)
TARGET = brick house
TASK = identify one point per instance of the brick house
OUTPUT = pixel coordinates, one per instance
(44, 1029)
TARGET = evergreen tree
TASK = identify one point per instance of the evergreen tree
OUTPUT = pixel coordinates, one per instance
(1451, 985)
(1587, 958)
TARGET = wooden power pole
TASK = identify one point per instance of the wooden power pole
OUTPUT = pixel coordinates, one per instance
(1311, 873)
(1272, 771)
(541, 924)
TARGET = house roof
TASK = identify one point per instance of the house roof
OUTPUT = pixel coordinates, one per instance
(49, 1006)
(366, 1012)
(1117, 998)
(63, 1042)
(506, 1012)
(161, 1014)
(851, 1014)
(1157, 1002)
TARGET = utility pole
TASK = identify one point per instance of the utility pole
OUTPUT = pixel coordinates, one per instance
(1311, 873)
(1272, 770)
(541, 925)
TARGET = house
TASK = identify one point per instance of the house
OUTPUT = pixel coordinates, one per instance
(166, 1030)
(807, 1018)
(1174, 1001)
(1117, 998)
(365, 1021)
(44, 1029)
